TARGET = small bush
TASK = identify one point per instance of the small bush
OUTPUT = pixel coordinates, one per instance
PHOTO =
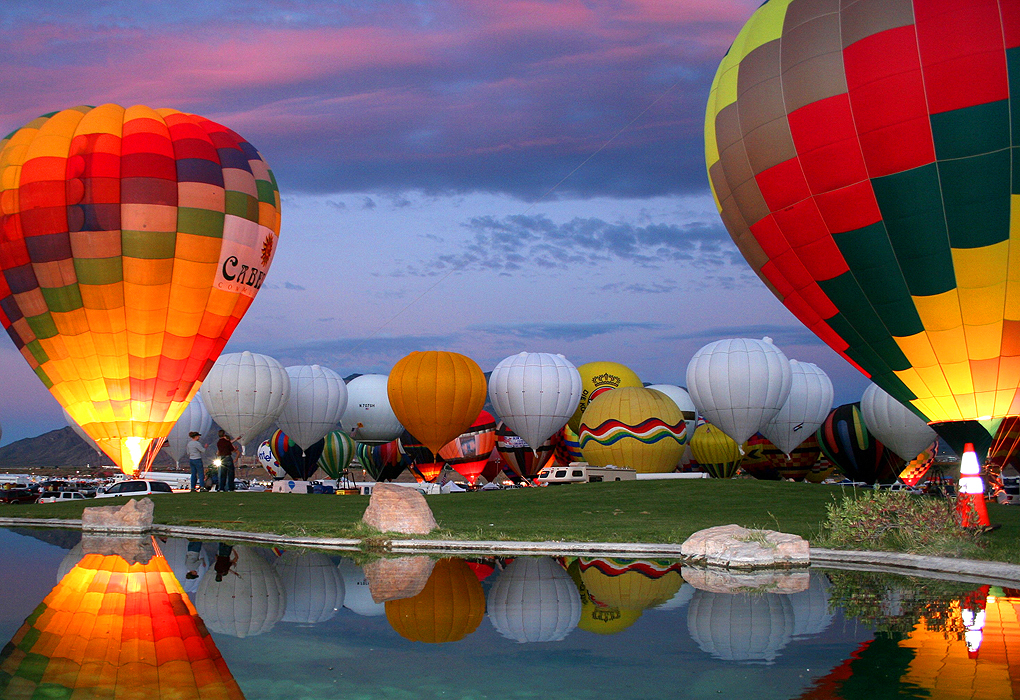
(897, 522)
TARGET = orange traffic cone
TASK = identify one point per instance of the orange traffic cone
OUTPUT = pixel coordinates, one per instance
(970, 496)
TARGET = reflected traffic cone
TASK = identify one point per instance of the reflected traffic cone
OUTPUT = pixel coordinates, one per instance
(972, 614)
(970, 497)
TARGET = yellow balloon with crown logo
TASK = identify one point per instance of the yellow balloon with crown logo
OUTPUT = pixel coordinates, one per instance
(598, 378)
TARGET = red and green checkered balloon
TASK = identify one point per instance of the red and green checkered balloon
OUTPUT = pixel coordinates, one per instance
(865, 158)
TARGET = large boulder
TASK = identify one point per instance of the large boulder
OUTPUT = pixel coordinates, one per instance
(399, 509)
(135, 516)
(736, 547)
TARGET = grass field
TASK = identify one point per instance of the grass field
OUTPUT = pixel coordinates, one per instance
(641, 511)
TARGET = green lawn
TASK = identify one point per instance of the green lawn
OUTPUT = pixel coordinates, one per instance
(643, 511)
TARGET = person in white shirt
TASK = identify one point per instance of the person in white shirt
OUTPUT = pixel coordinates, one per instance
(195, 451)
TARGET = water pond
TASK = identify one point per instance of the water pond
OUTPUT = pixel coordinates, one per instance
(168, 618)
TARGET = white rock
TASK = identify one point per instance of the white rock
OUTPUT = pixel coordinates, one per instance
(736, 547)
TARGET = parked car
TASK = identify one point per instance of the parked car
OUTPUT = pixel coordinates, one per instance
(61, 497)
(15, 496)
(136, 487)
(900, 486)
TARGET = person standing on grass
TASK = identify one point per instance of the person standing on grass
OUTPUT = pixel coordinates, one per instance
(225, 450)
(195, 451)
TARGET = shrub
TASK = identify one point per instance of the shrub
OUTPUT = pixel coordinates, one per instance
(897, 522)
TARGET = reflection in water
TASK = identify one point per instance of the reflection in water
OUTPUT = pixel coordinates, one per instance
(740, 627)
(313, 586)
(449, 608)
(534, 600)
(357, 593)
(241, 594)
(113, 627)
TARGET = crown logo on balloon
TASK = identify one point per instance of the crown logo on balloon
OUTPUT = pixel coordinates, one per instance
(606, 380)
(267, 249)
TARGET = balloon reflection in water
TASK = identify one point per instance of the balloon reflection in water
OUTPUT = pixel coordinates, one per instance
(811, 614)
(247, 600)
(449, 608)
(740, 627)
(357, 594)
(114, 628)
(629, 584)
(313, 586)
(534, 600)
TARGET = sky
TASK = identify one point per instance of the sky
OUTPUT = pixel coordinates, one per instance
(481, 176)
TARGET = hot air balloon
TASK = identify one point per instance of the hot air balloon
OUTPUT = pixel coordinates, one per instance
(436, 395)
(684, 402)
(313, 586)
(245, 393)
(799, 463)
(808, 404)
(269, 462)
(630, 584)
(535, 393)
(739, 384)
(368, 417)
(715, 451)
(894, 424)
(194, 419)
(318, 397)
(381, 462)
(756, 460)
(861, 161)
(637, 428)
(337, 453)
(741, 627)
(811, 612)
(357, 593)
(134, 240)
(914, 471)
(469, 452)
(534, 600)
(80, 432)
(116, 628)
(299, 464)
(449, 608)
(518, 455)
(420, 459)
(598, 378)
(244, 601)
(846, 442)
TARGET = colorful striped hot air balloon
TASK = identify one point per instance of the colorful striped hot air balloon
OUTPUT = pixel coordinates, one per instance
(568, 446)
(133, 241)
(596, 379)
(337, 453)
(299, 464)
(381, 462)
(715, 451)
(846, 442)
(519, 456)
(638, 428)
(862, 157)
(469, 452)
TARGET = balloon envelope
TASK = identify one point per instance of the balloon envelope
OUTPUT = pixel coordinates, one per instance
(337, 453)
(519, 456)
(739, 384)
(134, 240)
(436, 395)
(637, 428)
(894, 424)
(448, 608)
(318, 397)
(534, 600)
(245, 393)
(299, 464)
(194, 419)
(808, 404)
(469, 452)
(684, 402)
(856, 190)
(598, 378)
(382, 462)
(369, 416)
(715, 451)
(269, 462)
(535, 393)
(847, 443)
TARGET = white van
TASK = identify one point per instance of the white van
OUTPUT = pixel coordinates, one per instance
(583, 473)
(61, 497)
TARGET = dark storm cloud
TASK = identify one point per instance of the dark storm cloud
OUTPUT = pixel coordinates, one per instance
(493, 95)
(510, 244)
(563, 331)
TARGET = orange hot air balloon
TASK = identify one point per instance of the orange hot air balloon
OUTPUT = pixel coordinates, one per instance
(132, 241)
(449, 608)
(436, 395)
(114, 628)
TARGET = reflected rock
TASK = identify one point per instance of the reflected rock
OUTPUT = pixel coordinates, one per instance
(357, 593)
(749, 627)
(114, 629)
(393, 579)
(740, 548)
(399, 509)
(313, 585)
(247, 601)
(132, 548)
(811, 612)
(534, 600)
(135, 516)
(716, 580)
(449, 608)
(630, 584)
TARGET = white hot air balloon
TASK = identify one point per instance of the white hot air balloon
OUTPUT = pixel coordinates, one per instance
(805, 409)
(894, 424)
(194, 419)
(268, 460)
(811, 613)
(314, 587)
(683, 401)
(739, 384)
(534, 600)
(369, 417)
(535, 393)
(740, 627)
(247, 600)
(357, 593)
(245, 393)
(318, 397)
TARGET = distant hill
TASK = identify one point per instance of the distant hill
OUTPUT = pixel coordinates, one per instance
(58, 448)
